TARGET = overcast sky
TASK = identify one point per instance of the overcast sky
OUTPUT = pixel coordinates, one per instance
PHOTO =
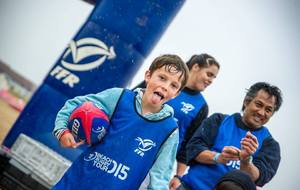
(254, 40)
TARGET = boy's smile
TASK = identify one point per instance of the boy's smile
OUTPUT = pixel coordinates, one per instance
(162, 85)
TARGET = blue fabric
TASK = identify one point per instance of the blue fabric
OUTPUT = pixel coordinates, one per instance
(205, 176)
(186, 107)
(147, 20)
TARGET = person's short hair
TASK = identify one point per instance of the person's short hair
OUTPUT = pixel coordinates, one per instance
(170, 61)
(203, 60)
(270, 89)
(235, 180)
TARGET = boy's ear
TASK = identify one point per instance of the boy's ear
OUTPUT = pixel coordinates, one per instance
(147, 76)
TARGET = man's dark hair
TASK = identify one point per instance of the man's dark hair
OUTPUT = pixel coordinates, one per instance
(270, 89)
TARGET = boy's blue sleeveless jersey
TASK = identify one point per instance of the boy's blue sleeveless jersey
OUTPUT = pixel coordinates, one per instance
(186, 107)
(205, 176)
(125, 156)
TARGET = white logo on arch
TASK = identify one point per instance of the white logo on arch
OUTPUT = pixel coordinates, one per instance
(84, 48)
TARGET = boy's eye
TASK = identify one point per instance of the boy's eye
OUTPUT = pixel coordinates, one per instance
(175, 86)
(162, 77)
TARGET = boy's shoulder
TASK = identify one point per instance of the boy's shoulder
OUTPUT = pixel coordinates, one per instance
(110, 93)
(113, 90)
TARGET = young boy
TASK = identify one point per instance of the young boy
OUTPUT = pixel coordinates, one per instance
(140, 148)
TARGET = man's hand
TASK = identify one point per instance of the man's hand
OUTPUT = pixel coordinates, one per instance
(229, 153)
(249, 145)
(67, 140)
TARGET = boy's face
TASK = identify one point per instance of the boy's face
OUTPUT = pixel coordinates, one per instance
(162, 85)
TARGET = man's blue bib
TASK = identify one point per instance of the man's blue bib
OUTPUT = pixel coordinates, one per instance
(205, 176)
(186, 107)
(126, 154)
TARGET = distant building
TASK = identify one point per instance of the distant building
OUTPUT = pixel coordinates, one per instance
(14, 83)
(14, 88)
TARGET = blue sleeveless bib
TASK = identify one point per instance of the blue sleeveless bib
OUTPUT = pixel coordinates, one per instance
(125, 156)
(186, 107)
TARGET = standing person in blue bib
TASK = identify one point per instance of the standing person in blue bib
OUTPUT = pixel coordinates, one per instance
(190, 107)
(139, 150)
(238, 141)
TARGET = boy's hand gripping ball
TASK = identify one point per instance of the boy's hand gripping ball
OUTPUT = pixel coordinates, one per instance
(88, 123)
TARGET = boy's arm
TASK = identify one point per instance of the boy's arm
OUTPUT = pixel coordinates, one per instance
(106, 99)
(161, 171)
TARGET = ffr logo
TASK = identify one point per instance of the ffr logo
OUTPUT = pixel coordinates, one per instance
(83, 55)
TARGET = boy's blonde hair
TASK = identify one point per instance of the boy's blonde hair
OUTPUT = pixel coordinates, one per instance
(170, 61)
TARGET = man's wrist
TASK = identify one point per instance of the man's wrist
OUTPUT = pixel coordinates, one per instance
(216, 157)
(247, 160)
